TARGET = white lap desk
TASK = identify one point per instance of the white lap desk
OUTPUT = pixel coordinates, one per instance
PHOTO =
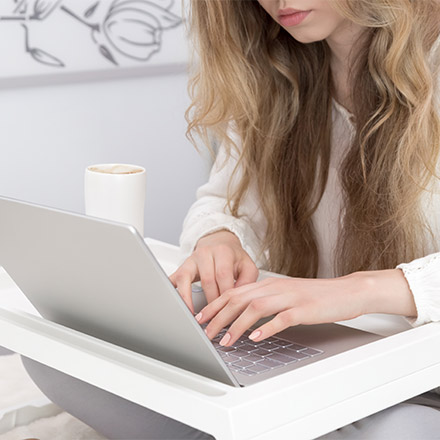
(302, 404)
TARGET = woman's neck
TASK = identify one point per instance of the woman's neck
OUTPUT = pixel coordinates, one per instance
(341, 43)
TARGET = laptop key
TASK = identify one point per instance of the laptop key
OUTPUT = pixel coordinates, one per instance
(272, 339)
(255, 344)
(281, 358)
(226, 349)
(234, 368)
(241, 353)
(261, 352)
(268, 346)
(253, 357)
(247, 372)
(243, 364)
(282, 343)
(258, 368)
(248, 347)
(311, 351)
(296, 354)
(270, 363)
(239, 342)
(230, 358)
(297, 347)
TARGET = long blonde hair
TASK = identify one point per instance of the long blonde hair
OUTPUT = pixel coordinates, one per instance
(278, 92)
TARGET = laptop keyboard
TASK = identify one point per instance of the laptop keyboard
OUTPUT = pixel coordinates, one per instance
(248, 357)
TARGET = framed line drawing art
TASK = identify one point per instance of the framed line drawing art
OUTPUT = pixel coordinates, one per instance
(56, 39)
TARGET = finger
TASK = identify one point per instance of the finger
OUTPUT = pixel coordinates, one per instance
(268, 286)
(258, 308)
(212, 309)
(224, 272)
(247, 273)
(231, 304)
(182, 279)
(206, 267)
(244, 294)
(283, 320)
(208, 281)
(188, 267)
(232, 309)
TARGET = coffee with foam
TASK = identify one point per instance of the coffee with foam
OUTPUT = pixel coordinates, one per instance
(116, 169)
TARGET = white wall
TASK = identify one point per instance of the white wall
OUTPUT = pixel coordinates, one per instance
(49, 134)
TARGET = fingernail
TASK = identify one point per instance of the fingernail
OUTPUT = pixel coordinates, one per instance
(226, 338)
(198, 317)
(255, 334)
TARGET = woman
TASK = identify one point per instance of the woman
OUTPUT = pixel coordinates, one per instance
(328, 117)
(334, 109)
(327, 113)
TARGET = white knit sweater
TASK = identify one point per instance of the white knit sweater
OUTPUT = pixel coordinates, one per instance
(209, 214)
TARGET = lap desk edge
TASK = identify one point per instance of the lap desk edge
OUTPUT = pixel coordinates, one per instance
(307, 402)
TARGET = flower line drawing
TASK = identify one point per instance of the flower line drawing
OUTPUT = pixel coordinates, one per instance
(129, 29)
(40, 9)
(40, 55)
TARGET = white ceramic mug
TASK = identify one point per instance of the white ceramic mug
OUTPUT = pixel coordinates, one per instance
(116, 192)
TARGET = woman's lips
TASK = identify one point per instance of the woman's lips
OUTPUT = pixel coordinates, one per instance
(291, 17)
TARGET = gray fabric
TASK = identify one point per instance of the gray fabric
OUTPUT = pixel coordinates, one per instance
(4, 351)
(406, 421)
(431, 399)
(117, 418)
(110, 415)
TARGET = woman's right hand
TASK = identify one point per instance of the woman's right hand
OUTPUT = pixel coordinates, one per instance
(219, 262)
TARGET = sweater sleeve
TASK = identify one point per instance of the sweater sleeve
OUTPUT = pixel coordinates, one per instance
(423, 276)
(210, 212)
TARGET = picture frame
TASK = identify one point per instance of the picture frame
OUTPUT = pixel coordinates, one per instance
(50, 41)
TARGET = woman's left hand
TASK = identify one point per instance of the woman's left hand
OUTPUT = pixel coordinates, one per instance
(296, 301)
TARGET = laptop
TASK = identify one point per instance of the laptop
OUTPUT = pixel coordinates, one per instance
(99, 277)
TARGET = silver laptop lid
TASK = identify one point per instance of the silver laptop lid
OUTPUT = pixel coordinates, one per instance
(100, 278)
